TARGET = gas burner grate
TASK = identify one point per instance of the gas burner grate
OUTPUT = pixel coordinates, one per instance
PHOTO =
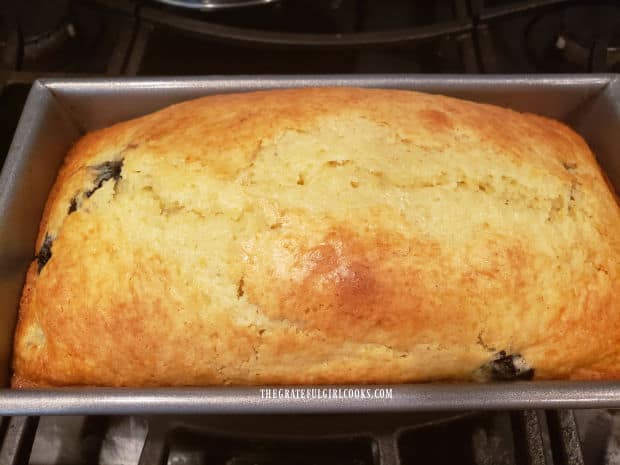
(124, 37)
(499, 438)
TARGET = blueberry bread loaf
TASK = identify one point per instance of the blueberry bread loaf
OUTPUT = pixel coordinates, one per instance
(326, 235)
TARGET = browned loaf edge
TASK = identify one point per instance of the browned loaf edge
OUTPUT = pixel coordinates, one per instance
(324, 235)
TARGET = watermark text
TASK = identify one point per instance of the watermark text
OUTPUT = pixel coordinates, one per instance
(326, 393)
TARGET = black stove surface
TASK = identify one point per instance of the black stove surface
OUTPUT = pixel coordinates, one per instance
(47, 38)
(498, 438)
(117, 37)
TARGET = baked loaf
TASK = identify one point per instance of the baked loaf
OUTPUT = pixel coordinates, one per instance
(326, 235)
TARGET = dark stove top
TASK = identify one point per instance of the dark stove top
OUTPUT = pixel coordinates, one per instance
(500, 438)
(44, 38)
(124, 37)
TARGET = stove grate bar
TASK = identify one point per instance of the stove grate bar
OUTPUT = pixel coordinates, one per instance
(564, 436)
(138, 48)
(124, 45)
(528, 441)
(18, 440)
(257, 37)
(517, 8)
(385, 449)
(155, 450)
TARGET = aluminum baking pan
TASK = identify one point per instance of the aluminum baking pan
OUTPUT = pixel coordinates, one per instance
(58, 111)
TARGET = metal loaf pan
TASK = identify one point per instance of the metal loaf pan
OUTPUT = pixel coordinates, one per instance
(58, 111)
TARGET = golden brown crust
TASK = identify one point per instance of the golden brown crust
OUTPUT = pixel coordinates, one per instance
(324, 236)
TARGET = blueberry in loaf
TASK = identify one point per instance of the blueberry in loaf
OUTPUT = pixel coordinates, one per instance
(324, 235)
